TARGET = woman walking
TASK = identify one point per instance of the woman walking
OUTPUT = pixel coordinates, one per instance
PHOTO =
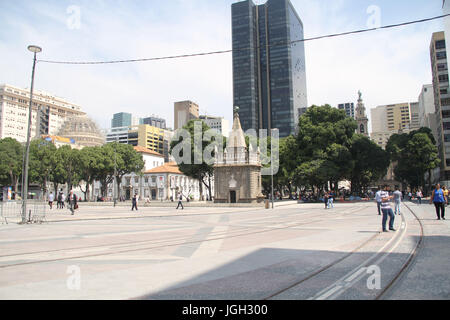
(439, 202)
(419, 196)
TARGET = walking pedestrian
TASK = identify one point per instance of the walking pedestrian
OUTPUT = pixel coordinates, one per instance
(63, 200)
(72, 201)
(419, 196)
(180, 203)
(397, 201)
(134, 203)
(58, 205)
(330, 200)
(439, 202)
(379, 200)
(386, 209)
(410, 196)
(51, 197)
(325, 200)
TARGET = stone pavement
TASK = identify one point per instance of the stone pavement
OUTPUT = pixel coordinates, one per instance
(197, 253)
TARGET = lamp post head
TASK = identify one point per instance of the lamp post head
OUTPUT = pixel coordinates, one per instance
(34, 49)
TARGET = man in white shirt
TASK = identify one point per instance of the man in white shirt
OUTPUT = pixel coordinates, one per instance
(386, 209)
(51, 197)
(378, 200)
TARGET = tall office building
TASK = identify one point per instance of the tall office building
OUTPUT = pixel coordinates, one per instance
(184, 111)
(349, 109)
(154, 121)
(269, 76)
(122, 119)
(393, 118)
(439, 69)
(414, 113)
(426, 105)
(14, 108)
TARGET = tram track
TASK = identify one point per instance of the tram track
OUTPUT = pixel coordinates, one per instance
(343, 283)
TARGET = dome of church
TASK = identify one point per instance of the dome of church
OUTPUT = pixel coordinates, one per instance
(83, 130)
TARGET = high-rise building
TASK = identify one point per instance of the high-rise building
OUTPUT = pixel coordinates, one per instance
(122, 119)
(439, 69)
(269, 72)
(426, 104)
(414, 112)
(14, 109)
(143, 135)
(184, 111)
(393, 118)
(154, 122)
(219, 124)
(349, 109)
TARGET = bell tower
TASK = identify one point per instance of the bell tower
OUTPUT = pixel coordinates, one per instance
(361, 118)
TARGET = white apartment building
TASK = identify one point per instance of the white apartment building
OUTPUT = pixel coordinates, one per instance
(14, 109)
(219, 124)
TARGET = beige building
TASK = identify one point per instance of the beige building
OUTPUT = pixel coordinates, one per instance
(439, 69)
(83, 130)
(14, 109)
(184, 111)
(390, 119)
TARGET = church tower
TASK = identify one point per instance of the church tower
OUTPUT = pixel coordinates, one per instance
(361, 118)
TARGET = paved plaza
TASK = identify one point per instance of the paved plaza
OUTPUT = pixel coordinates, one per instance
(294, 252)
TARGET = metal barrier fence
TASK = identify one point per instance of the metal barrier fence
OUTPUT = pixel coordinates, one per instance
(12, 211)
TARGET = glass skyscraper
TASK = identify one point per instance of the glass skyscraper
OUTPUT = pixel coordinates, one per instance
(269, 76)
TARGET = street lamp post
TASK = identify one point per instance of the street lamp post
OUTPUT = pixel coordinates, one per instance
(115, 174)
(271, 170)
(35, 50)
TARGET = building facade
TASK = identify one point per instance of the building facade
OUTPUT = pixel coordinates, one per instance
(154, 122)
(143, 135)
(349, 109)
(439, 69)
(184, 111)
(218, 124)
(269, 70)
(14, 109)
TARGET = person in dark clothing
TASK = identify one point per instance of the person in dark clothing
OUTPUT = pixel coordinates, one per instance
(72, 201)
(325, 200)
(134, 202)
(180, 203)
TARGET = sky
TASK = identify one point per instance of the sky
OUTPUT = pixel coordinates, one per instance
(388, 66)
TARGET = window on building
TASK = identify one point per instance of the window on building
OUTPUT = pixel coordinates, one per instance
(136, 179)
(443, 78)
(440, 44)
(441, 55)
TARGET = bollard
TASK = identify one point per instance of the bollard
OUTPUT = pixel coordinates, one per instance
(29, 216)
(267, 203)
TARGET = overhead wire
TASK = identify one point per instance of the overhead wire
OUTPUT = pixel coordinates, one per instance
(276, 44)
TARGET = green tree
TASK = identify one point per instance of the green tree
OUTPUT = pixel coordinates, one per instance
(323, 143)
(369, 162)
(127, 160)
(67, 169)
(11, 160)
(413, 155)
(42, 162)
(192, 167)
(89, 160)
